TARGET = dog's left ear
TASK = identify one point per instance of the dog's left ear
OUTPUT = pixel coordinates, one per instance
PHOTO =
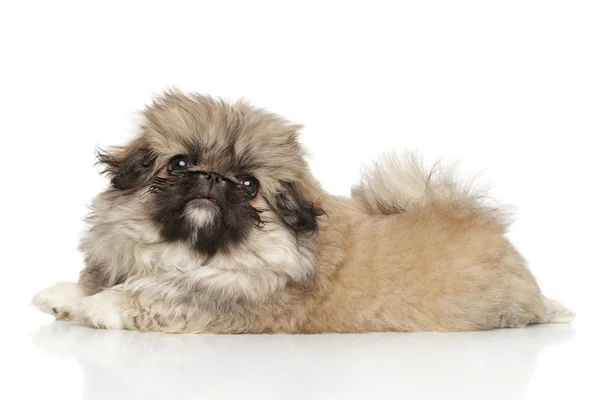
(298, 213)
(130, 166)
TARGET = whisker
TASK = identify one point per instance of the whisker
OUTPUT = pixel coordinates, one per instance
(159, 184)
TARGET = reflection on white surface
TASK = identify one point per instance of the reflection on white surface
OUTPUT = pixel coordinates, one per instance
(122, 364)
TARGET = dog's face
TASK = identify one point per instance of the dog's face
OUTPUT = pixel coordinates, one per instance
(207, 208)
(208, 173)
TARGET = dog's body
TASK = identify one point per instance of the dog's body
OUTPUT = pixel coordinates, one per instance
(184, 249)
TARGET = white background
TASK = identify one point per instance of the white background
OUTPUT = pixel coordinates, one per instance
(511, 88)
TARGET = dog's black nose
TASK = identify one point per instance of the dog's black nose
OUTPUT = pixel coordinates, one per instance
(213, 177)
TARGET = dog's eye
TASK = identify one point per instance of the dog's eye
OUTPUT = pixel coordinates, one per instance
(178, 163)
(249, 183)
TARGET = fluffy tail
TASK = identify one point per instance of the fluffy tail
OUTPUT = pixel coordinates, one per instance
(394, 184)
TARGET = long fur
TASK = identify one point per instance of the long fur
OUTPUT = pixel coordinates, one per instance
(412, 250)
(397, 183)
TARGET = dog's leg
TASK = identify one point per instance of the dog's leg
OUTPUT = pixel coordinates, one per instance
(108, 309)
(192, 303)
(118, 308)
(556, 312)
(179, 302)
(60, 300)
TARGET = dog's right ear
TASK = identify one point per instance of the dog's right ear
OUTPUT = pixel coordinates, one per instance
(129, 166)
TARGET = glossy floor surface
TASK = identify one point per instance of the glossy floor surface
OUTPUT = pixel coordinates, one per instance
(64, 361)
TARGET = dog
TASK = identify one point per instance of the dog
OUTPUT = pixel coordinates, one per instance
(214, 223)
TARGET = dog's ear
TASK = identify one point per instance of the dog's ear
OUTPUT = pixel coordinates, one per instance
(129, 166)
(295, 211)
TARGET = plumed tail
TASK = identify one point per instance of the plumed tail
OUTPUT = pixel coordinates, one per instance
(395, 184)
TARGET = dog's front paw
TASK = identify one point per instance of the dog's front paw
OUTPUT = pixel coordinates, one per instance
(60, 300)
(105, 310)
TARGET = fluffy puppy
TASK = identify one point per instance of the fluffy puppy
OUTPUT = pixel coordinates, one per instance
(214, 223)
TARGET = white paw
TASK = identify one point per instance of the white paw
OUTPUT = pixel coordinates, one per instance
(59, 300)
(104, 310)
(556, 312)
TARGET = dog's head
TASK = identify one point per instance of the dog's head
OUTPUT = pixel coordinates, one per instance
(209, 173)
